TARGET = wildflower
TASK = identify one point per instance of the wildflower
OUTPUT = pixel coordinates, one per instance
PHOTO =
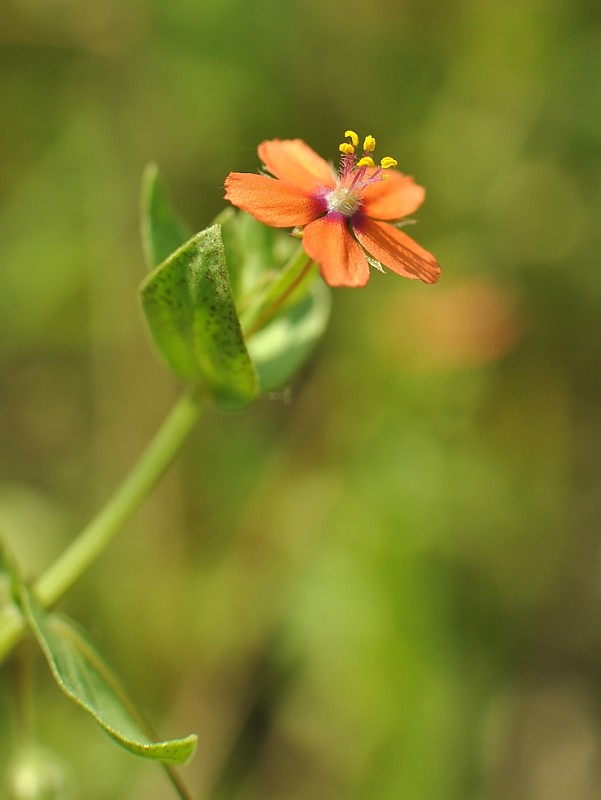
(345, 216)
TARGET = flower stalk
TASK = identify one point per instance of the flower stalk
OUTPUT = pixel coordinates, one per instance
(278, 293)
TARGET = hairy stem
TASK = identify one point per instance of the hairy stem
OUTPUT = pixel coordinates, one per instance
(98, 534)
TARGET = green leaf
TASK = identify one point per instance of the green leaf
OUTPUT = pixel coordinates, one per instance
(84, 677)
(280, 348)
(161, 229)
(168, 305)
(259, 243)
(233, 246)
(193, 320)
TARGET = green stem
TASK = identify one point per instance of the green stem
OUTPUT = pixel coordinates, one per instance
(96, 536)
(177, 783)
(277, 292)
(270, 312)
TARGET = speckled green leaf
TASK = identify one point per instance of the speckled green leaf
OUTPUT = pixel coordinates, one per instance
(85, 677)
(161, 229)
(192, 317)
(234, 249)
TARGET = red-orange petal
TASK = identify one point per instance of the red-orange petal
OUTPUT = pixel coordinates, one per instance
(330, 244)
(273, 202)
(396, 250)
(394, 197)
(294, 161)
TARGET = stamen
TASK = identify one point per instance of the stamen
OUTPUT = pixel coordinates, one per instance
(369, 144)
(356, 174)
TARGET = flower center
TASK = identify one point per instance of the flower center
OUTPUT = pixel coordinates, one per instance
(354, 175)
(344, 200)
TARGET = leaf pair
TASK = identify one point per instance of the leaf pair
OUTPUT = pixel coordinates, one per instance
(192, 296)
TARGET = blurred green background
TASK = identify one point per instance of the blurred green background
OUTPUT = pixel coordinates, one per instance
(384, 583)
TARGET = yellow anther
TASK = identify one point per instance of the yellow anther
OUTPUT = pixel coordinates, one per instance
(369, 145)
(353, 137)
(388, 162)
(366, 161)
(346, 148)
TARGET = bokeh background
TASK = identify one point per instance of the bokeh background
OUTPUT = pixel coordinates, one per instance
(384, 582)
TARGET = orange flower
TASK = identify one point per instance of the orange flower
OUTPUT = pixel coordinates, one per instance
(342, 213)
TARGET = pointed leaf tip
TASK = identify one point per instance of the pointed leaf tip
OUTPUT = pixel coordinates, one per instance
(86, 679)
(162, 231)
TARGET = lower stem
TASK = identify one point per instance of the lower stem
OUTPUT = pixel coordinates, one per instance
(96, 536)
